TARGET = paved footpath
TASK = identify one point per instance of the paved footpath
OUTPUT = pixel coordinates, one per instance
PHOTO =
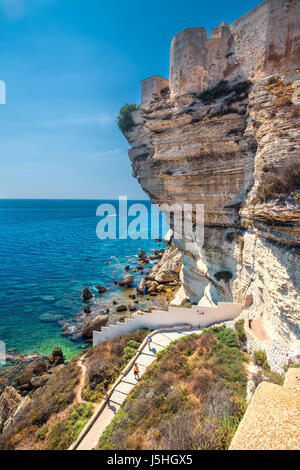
(159, 341)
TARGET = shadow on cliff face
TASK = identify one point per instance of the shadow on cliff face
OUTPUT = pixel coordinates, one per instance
(211, 275)
(278, 296)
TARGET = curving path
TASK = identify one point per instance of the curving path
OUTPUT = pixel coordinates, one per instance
(106, 411)
(81, 383)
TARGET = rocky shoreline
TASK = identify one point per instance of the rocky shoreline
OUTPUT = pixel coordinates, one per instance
(148, 284)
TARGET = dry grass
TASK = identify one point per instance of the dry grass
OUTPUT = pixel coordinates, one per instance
(55, 396)
(106, 361)
(280, 181)
(192, 397)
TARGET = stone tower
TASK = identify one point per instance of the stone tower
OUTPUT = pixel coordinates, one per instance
(265, 39)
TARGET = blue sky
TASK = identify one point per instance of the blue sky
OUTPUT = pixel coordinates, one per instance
(69, 65)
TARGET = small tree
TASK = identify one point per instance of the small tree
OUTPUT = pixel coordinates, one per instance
(124, 119)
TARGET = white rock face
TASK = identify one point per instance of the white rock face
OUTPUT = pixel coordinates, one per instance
(218, 151)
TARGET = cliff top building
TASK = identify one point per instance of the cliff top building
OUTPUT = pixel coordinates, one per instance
(265, 40)
(152, 85)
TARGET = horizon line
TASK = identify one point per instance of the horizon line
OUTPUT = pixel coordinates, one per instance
(65, 199)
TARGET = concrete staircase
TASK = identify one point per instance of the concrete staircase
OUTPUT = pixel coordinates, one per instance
(105, 412)
(197, 316)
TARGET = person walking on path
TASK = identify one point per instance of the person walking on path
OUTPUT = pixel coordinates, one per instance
(149, 340)
(105, 388)
(136, 372)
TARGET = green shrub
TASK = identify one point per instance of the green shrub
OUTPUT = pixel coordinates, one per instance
(260, 359)
(240, 331)
(211, 94)
(242, 87)
(97, 371)
(247, 224)
(124, 119)
(280, 181)
(223, 88)
(133, 344)
(163, 409)
(225, 335)
(128, 353)
(67, 431)
(187, 304)
(46, 401)
(42, 432)
(106, 361)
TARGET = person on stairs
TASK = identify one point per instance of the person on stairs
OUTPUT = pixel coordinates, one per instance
(105, 388)
(149, 340)
(136, 372)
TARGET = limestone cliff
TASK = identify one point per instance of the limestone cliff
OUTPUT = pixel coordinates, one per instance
(227, 125)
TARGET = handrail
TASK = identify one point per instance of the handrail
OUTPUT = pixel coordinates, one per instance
(104, 402)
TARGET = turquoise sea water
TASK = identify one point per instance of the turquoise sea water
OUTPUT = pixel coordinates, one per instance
(43, 268)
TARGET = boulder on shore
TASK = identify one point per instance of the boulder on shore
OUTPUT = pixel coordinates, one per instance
(143, 258)
(132, 308)
(40, 381)
(86, 294)
(126, 280)
(152, 287)
(56, 357)
(141, 287)
(33, 369)
(121, 308)
(93, 325)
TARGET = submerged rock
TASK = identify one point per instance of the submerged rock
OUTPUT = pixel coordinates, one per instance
(143, 258)
(50, 317)
(86, 294)
(102, 289)
(87, 309)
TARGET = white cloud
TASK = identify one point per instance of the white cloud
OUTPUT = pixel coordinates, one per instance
(107, 153)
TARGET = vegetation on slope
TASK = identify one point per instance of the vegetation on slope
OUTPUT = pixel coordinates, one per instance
(64, 433)
(278, 182)
(46, 401)
(52, 419)
(237, 91)
(106, 361)
(192, 397)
